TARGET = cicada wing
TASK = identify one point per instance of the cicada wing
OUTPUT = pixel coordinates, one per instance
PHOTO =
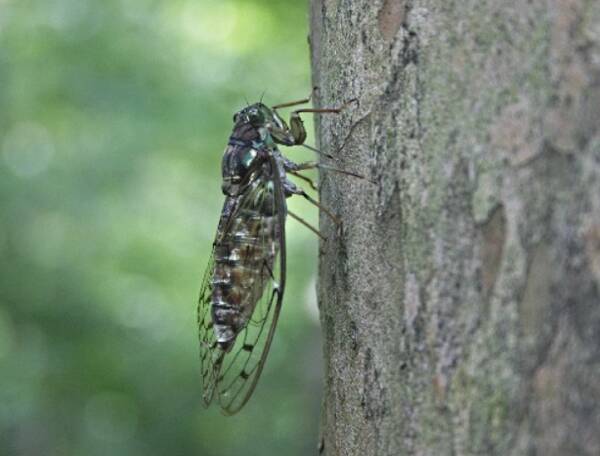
(243, 365)
(209, 351)
(211, 355)
(236, 372)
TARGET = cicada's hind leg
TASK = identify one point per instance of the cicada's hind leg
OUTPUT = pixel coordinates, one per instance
(330, 214)
(336, 220)
(306, 224)
(291, 189)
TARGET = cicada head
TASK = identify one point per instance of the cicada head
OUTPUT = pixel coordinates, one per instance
(259, 115)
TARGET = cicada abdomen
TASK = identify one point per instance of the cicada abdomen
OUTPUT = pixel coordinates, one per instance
(244, 259)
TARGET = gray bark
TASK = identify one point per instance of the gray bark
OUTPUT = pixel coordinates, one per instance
(460, 301)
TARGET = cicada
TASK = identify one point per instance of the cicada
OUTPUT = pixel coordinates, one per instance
(244, 283)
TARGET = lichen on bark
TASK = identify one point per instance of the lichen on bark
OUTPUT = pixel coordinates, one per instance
(460, 300)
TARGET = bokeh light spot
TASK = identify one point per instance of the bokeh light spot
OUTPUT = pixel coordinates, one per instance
(229, 27)
(205, 24)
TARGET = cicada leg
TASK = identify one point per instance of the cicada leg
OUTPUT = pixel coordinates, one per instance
(327, 110)
(293, 169)
(298, 191)
(297, 126)
(330, 214)
(282, 134)
(318, 152)
(297, 102)
(305, 179)
(312, 164)
(297, 133)
(306, 224)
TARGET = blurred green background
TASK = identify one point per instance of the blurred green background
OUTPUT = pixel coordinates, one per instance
(113, 118)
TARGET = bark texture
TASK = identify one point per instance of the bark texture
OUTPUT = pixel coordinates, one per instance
(460, 301)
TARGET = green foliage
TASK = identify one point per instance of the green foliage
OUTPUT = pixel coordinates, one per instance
(113, 118)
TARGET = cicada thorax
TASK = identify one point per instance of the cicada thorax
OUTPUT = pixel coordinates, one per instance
(240, 154)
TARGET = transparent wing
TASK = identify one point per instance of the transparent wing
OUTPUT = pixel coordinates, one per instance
(233, 374)
(210, 354)
(208, 344)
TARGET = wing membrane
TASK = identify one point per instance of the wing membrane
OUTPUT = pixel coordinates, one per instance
(232, 375)
(206, 336)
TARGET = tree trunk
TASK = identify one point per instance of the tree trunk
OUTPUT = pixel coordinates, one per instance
(460, 299)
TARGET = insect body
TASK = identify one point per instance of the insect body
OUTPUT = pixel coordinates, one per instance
(242, 289)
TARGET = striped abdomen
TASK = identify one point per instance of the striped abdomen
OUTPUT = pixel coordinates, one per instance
(244, 256)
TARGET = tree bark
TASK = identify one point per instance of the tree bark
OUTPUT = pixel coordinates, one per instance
(460, 299)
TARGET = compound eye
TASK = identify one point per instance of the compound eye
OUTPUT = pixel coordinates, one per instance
(253, 115)
(235, 117)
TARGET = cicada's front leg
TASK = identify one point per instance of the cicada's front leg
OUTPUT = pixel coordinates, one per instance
(295, 134)
(297, 126)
